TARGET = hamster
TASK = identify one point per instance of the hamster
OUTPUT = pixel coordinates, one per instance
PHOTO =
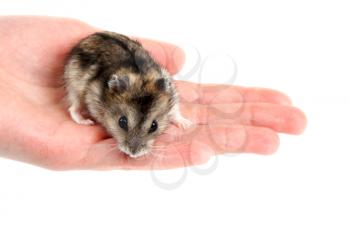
(112, 80)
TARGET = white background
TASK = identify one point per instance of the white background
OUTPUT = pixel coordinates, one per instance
(301, 47)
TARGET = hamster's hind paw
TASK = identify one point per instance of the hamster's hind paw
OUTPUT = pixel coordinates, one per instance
(79, 118)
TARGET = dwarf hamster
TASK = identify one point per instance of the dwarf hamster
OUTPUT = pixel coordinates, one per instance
(111, 79)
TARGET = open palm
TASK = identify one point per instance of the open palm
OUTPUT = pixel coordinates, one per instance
(36, 128)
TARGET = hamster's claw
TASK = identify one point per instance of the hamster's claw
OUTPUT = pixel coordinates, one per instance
(86, 122)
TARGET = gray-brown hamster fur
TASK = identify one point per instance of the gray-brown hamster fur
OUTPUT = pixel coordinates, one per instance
(113, 80)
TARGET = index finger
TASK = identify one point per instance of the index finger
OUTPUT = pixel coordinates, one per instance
(224, 93)
(168, 55)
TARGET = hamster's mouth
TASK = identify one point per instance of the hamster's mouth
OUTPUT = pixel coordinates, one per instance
(128, 152)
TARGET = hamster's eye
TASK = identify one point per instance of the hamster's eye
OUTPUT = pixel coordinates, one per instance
(123, 123)
(153, 127)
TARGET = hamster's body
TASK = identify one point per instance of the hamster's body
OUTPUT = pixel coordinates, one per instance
(114, 80)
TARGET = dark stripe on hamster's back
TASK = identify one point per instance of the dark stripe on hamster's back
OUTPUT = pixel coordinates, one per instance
(86, 59)
(100, 48)
(109, 38)
(139, 57)
(123, 41)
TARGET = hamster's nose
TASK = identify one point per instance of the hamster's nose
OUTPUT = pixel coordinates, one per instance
(133, 150)
(134, 145)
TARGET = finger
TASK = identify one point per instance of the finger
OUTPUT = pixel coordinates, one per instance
(218, 139)
(238, 139)
(213, 94)
(280, 118)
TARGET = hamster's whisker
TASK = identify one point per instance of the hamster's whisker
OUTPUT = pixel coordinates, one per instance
(109, 146)
(168, 133)
(158, 151)
(105, 145)
(115, 148)
(158, 148)
(158, 155)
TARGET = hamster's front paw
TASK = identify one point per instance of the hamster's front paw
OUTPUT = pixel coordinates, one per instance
(78, 117)
(181, 122)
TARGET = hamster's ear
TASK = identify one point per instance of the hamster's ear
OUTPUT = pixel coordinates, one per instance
(119, 84)
(162, 84)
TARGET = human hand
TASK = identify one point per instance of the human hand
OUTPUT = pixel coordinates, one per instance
(36, 127)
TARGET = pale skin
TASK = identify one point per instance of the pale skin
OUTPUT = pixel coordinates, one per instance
(36, 127)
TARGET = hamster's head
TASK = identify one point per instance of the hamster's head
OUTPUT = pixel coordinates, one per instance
(138, 109)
